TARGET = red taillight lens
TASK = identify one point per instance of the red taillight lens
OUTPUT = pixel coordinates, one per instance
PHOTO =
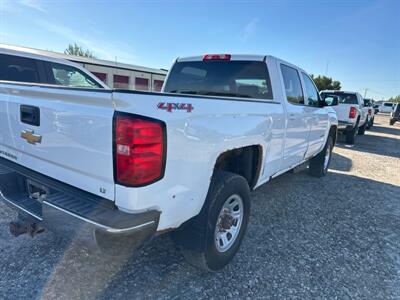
(217, 57)
(370, 111)
(139, 150)
(353, 112)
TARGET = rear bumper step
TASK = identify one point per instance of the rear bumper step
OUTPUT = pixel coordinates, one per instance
(73, 213)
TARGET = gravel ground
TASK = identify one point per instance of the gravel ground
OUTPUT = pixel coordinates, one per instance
(334, 237)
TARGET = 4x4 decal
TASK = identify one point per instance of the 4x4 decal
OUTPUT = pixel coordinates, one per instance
(169, 107)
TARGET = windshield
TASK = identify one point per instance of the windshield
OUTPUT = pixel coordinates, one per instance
(344, 98)
(246, 79)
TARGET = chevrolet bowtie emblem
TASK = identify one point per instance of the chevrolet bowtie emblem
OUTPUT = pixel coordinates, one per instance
(31, 137)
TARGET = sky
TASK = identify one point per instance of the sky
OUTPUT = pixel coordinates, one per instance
(355, 42)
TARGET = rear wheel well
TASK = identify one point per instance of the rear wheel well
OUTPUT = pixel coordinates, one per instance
(244, 161)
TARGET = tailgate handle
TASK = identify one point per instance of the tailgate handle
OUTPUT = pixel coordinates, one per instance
(30, 115)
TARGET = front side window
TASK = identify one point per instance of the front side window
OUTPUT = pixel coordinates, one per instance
(312, 93)
(20, 69)
(291, 79)
(232, 78)
(70, 76)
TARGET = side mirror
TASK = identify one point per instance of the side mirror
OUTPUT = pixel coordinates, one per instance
(335, 101)
(330, 101)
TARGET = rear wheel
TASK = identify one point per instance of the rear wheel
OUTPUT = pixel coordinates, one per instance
(351, 134)
(361, 130)
(371, 123)
(391, 122)
(319, 164)
(211, 239)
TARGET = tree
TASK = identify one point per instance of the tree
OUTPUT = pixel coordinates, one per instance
(326, 83)
(74, 49)
(395, 99)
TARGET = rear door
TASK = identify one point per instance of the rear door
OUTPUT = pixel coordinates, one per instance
(299, 118)
(64, 133)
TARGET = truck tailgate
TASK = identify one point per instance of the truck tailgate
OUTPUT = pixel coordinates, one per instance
(63, 133)
(342, 111)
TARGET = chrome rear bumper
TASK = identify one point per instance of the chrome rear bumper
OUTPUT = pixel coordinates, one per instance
(75, 214)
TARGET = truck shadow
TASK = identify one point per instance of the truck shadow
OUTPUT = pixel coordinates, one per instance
(312, 235)
(375, 144)
(340, 163)
(394, 129)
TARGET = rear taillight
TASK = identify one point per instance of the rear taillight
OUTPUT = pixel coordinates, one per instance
(370, 111)
(217, 57)
(353, 112)
(139, 148)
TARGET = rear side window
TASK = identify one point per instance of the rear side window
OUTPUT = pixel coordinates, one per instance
(70, 76)
(244, 79)
(388, 104)
(20, 69)
(344, 98)
(291, 79)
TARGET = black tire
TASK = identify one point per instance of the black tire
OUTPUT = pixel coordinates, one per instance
(361, 130)
(197, 237)
(318, 168)
(391, 122)
(351, 135)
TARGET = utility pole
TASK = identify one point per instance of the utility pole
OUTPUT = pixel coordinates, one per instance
(365, 93)
(326, 68)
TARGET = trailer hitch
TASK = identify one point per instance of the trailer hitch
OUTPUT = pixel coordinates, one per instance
(20, 227)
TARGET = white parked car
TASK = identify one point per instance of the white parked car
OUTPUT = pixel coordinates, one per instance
(115, 168)
(351, 112)
(386, 107)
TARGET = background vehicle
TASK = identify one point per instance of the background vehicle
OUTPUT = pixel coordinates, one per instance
(114, 168)
(386, 107)
(112, 73)
(376, 108)
(19, 66)
(369, 103)
(395, 114)
(351, 112)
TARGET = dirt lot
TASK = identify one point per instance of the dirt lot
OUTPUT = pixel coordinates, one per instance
(335, 237)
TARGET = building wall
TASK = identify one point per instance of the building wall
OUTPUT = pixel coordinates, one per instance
(136, 78)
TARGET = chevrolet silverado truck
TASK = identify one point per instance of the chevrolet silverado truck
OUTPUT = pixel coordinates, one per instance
(114, 168)
(351, 112)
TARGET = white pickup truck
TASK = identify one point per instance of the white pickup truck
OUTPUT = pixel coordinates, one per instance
(351, 112)
(114, 168)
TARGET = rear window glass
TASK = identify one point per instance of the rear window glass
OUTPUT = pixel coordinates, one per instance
(344, 98)
(245, 79)
(388, 104)
(21, 69)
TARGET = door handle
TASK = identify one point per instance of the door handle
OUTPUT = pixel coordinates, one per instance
(30, 115)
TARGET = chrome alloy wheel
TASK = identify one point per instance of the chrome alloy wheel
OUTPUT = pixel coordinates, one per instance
(228, 223)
